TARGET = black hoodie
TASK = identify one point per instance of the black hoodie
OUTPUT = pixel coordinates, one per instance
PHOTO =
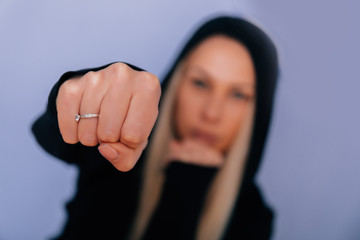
(106, 199)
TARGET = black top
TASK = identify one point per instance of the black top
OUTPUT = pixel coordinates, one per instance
(106, 199)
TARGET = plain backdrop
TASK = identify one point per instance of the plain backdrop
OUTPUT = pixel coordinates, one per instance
(311, 170)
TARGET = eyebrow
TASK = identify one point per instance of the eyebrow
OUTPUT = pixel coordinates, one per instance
(201, 71)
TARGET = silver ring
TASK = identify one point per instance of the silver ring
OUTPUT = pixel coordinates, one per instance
(90, 115)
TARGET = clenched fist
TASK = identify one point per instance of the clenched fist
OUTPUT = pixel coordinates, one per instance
(126, 101)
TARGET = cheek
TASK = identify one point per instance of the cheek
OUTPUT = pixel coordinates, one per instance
(187, 110)
(232, 122)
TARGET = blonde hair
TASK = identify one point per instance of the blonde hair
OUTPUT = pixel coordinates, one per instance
(223, 190)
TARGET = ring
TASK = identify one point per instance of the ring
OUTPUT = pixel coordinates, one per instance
(91, 115)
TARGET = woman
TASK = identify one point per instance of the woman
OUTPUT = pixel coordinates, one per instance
(195, 178)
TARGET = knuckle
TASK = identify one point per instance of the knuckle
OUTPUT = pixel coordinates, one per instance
(132, 139)
(89, 75)
(92, 79)
(68, 94)
(108, 136)
(67, 88)
(119, 69)
(151, 83)
(67, 136)
(88, 140)
(70, 140)
(120, 74)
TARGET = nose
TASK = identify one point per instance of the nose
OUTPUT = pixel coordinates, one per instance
(212, 109)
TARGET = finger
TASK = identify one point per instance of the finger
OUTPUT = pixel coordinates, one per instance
(93, 94)
(68, 104)
(177, 152)
(121, 156)
(141, 115)
(193, 152)
(113, 111)
(207, 155)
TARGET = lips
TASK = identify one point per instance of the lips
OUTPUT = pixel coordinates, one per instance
(205, 137)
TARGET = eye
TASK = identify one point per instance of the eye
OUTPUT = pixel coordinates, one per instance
(238, 95)
(199, 83)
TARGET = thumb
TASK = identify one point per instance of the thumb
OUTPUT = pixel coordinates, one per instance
(120, 156)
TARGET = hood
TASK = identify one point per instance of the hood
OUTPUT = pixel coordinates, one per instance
(264, 56)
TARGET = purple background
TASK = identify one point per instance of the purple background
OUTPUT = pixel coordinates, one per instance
(311, 169)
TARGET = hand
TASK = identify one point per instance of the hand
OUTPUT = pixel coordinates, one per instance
(194, 152)
(127, 103)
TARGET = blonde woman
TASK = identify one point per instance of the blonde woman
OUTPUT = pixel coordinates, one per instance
(185, 173)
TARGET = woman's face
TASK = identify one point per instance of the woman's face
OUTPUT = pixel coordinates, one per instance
(218, 82)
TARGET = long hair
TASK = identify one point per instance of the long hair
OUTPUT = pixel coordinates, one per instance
(223, 191)
(242, 159)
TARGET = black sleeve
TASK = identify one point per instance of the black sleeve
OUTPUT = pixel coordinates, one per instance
(252, 218)
(181, 201)
(46, 128)
(191, 181)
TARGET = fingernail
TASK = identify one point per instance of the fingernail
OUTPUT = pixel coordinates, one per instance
(108, 152)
